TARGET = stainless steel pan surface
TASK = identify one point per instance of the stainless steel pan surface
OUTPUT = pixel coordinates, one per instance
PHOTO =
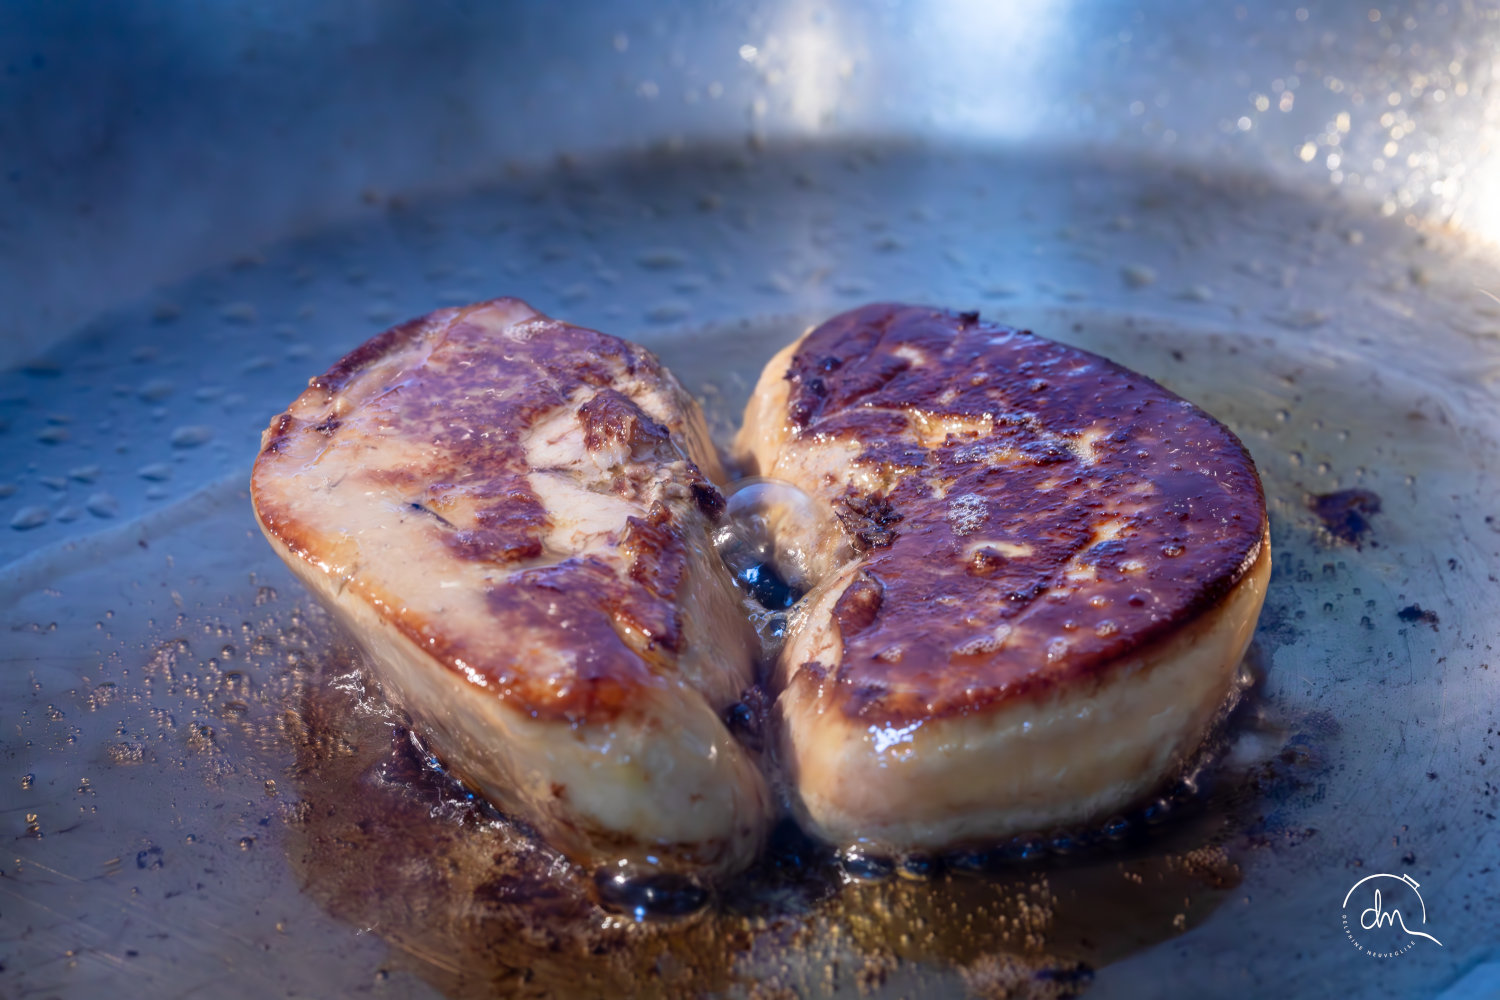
(1286, 215)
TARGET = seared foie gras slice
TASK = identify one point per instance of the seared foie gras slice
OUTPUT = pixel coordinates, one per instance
(1050, 569)
(511, 514)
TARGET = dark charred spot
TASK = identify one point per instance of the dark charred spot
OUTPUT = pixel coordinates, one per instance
(1106, 554)
(657, 552)
(611, 418)
(969, 318)
(279, 430)
(1044, 452)
(328, 427)
(801, 411)
(1416, 613)
(867, 519)
(1027, 594)
(859, 605)
(1346, 513)
(709, 500)
(747, 718)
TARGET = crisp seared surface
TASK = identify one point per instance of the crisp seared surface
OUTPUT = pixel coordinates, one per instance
(416, 472)
(1038, 511)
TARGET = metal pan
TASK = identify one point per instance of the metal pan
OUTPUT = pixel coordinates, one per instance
(202, 208)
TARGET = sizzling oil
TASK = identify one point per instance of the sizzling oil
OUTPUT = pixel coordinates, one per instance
(1036, 913)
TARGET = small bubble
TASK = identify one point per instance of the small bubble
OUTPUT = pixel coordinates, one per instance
(102, 505)
(246, 843)
(155, 390)
(660, 259)
(1000, 291)
(667, 312)
(30, 517)
(648, 896)
(967, 513)
(857, 866)
(192, 436)
(1173, 550)
(240, 312)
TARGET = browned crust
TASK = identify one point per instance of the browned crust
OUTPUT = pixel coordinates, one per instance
(1192, 506)
(444, 383)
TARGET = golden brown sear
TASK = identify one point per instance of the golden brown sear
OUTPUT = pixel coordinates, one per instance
(1036, 577)
(513, 516)
(1050, 570)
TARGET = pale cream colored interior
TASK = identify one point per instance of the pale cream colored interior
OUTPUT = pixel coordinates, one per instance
(1031, 764)
(635, 788)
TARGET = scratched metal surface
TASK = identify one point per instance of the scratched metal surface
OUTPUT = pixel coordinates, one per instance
(162, 751)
